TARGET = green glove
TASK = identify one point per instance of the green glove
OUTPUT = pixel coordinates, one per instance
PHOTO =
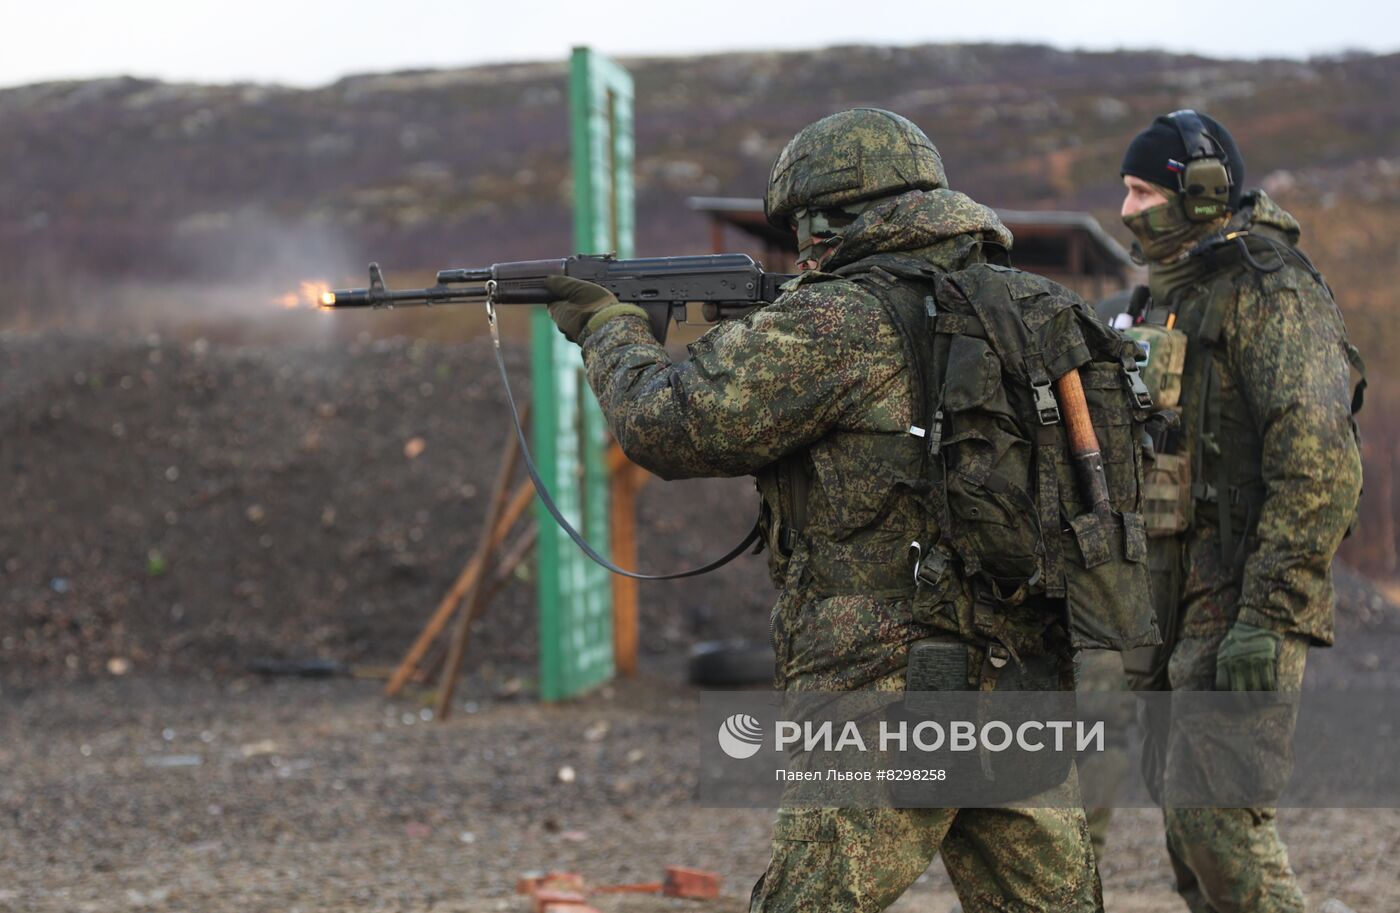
(1248, 659)
(581, 307)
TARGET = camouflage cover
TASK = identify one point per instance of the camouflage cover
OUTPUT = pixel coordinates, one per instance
(860, 154)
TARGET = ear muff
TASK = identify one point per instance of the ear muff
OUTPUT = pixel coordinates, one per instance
(1204, 179)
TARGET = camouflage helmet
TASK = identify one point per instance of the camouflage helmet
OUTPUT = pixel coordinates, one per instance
(849, 157)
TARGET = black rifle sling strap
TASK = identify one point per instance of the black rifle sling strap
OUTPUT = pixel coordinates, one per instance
(553, 508)
(1207, 421)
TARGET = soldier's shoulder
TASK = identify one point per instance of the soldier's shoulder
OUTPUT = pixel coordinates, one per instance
(1035, 300)
(1291, 286)
(1290, 308)
(829, 301)
(1017, 282)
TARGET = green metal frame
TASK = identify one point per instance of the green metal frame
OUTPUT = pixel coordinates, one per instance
(575, 595)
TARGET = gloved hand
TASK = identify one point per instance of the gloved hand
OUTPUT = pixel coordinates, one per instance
(1248, 659)
(580, 307)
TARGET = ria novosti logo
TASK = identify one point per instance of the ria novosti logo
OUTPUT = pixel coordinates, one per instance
(740, 736)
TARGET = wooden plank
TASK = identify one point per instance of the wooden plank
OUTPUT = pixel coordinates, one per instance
(524, 494)
(626, 479)
(518, 503)
(624, 553)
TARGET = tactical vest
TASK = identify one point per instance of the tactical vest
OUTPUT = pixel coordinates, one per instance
(975, 512)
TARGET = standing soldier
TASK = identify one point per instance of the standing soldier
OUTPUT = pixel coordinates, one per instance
(1254, 488)
(820, 396)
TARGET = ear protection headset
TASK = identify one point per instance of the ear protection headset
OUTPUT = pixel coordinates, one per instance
(1204, 179)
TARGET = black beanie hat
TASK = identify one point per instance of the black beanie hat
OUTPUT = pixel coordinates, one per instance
(1150, 151)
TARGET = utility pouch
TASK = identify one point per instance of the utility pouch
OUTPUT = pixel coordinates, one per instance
(1166, 494)
(936, 664)
(1108, 583)
(988, 462)
(942, 664)
(1147, 666)
(1162, 363)
(941, 687)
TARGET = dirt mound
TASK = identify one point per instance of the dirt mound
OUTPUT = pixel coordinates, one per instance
(187, 506)
(182, 505)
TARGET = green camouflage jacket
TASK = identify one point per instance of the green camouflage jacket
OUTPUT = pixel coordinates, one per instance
(817, 378)
(1275, 433)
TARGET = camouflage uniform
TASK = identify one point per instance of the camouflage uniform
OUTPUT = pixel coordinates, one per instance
(813, 390)
(1276, 474)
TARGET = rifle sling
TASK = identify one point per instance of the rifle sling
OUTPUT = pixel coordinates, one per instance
(553, 508)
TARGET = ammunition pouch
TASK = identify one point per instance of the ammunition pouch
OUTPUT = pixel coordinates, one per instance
(1162, 362)
(1167, 494)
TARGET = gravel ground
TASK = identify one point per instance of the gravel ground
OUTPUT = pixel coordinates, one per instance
(171, 794)
(182, 503)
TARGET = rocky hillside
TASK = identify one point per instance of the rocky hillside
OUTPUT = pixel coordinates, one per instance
(216, 196)
(129, 176)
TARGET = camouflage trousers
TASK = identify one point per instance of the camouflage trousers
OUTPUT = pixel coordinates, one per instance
(1230, 860)
(1005, 860)
(1000, 860)
(1224, 859)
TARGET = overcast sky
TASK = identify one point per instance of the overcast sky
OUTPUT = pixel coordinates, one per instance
(311, 42)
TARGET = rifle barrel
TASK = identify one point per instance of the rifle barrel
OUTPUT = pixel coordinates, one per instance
(401, 297)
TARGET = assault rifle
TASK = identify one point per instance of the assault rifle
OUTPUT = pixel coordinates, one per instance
(726, 285)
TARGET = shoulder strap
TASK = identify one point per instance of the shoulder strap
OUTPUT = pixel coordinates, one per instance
(908, 303)
(909, 298)
(1042, 424)
(1358, 393)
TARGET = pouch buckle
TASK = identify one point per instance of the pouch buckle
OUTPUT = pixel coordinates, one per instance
(1141, 394)
(787, 540)
(1045, 405)
(928, 571)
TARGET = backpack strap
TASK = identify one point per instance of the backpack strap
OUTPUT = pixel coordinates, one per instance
(910, 299)
(794, 491)
(1358, 364)
(1047, 446)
